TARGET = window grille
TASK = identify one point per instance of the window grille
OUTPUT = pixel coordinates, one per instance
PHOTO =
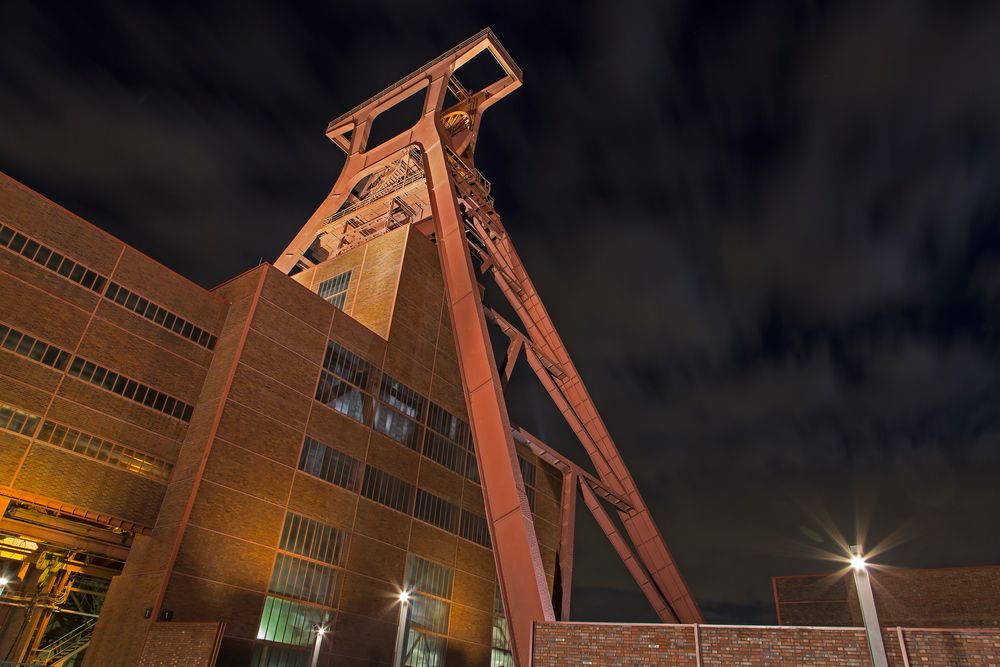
(22, 344)
(159, 315)
(473, 527)
(18, 421)
(435, 511)
(302, 579)
(113, 454)
(288, 622)
(50, 259)
(328, 464)
(387, 490)
(346, 383)
(447, 441)
(318, 541)
(334, 289)
(431, 586)
(501, 655)
(528, 472)
(130, 389)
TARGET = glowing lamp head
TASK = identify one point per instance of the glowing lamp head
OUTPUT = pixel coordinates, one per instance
(4, 581)
(320, 630)
(857, 562)
(404, 596)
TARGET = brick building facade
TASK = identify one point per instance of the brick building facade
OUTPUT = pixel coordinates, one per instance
(271, 454)
(608, 644)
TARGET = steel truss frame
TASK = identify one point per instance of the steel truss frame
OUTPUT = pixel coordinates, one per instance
(465, 226)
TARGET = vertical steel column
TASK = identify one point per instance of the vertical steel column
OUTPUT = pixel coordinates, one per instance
(567, 517)
(519, 565)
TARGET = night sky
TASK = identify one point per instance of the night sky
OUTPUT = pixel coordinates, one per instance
(768, 233)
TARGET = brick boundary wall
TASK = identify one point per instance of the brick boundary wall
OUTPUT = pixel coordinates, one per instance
(649, 645)
(171, 644)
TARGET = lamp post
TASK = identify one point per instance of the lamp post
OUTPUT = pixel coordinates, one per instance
(868, 613)
(320, 631)
(405, 611)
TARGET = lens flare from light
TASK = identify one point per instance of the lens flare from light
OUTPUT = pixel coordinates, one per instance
(858, 563)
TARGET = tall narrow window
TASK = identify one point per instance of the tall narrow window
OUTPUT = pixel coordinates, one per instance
(399, 413)
(430, 585)
(307, 568)
(346, 383)
(501, 656)
(334, 289)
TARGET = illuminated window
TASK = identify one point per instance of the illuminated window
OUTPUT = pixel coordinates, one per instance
(430, 584)
(330, 465)
(288, 622)
(400, 411)
(447, 441)
(501, 655)
(17, 421)
(307, 568)
(346, 383)
(334, 289)
(104, 451)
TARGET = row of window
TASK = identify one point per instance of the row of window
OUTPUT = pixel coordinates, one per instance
(28, 346)
(55, 434)
(326, 463)
(45, 353)
(160, 315)
(17, 421)
(67, 268)
(131, 389)
(334, 289)
(50, 259)
(104, 451)
(347, 384)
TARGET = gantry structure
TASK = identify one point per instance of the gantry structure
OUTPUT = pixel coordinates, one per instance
(426, 176)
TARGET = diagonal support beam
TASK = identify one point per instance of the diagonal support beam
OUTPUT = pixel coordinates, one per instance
(635, 568)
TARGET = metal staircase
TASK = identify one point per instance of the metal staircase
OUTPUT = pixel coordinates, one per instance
(64, 648)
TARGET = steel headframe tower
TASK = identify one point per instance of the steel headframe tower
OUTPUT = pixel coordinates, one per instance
(435, 156)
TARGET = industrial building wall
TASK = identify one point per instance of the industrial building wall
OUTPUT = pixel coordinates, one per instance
(200, 413)
(77, 293)
(642, 645)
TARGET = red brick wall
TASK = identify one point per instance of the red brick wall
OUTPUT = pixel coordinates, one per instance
(559, 644)
(181, 645)
(929, 598)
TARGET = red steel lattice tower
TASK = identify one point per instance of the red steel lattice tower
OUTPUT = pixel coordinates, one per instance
(425, 176)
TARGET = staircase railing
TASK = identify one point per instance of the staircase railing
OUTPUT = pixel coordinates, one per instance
(66, 646)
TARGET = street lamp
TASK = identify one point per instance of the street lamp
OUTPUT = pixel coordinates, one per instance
(3, 584)
(868, 613)
(320, 631)
(405, 611)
